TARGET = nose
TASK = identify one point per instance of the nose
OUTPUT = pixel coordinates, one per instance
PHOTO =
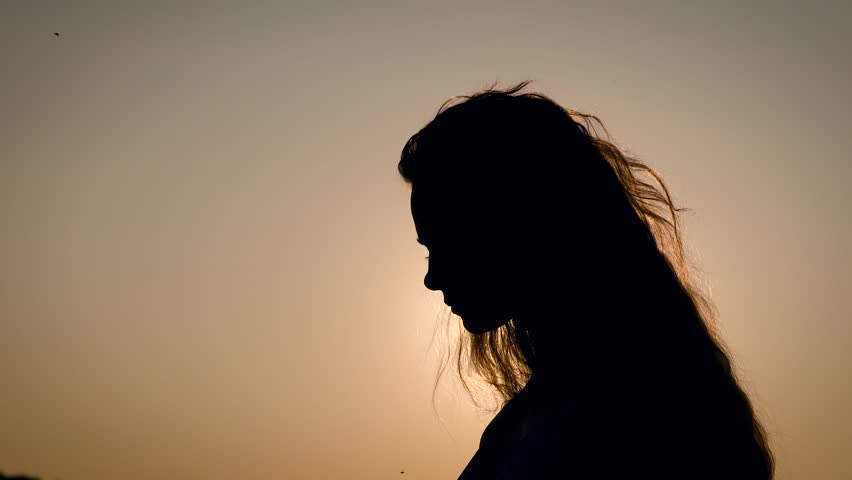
(431, 280)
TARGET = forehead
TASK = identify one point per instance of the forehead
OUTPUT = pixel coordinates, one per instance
(445, 216)
(421, 201)
(433, 212)
(421, 211)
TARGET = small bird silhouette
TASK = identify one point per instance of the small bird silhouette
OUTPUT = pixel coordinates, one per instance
(56, 34)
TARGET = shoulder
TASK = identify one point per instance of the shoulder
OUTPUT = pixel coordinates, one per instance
(518, 430)
(548, 447)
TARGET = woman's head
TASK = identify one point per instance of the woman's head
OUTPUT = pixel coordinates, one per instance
(526, 211)
(513, 197)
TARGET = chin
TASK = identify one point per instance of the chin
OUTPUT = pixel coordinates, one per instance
(477, 324)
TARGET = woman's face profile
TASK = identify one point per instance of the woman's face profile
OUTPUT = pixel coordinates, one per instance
(464, 263)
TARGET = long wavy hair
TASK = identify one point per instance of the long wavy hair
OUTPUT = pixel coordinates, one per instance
(505, 358)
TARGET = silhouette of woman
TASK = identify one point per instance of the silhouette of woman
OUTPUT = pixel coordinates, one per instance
(564, 261)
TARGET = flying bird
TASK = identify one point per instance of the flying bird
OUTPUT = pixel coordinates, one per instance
(56, 34)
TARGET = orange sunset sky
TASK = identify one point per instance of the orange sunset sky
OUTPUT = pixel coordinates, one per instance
(209, 269)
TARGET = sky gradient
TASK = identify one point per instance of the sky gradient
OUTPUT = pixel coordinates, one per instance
(210, 268)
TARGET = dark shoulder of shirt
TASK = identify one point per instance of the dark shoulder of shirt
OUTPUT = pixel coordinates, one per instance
(565, 440)
(524, 431)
